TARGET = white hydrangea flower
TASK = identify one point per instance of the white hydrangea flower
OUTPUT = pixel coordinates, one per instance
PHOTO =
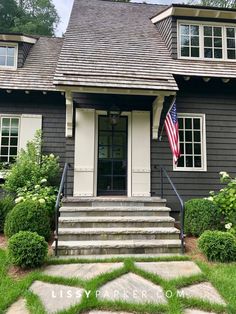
(51, 155)
(228, 226)
(43, 181)
(19, 199)
(224, 174)
(42, 201)
(210, 198)
(37, 187)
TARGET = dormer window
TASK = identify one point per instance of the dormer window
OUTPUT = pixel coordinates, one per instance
(8, 55)
(206, 41)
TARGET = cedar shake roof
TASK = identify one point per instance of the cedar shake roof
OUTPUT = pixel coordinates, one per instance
(114, 44)
(38, 70)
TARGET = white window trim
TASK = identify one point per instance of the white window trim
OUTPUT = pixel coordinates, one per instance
(201, 40)
(19, 128)
(15, 45)
(204, 149)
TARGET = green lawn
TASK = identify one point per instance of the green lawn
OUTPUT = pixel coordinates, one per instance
(223, 277)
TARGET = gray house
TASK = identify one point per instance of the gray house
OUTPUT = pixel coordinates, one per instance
(101, 95)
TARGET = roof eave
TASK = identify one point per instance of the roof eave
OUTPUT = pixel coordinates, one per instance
(195, 11)
(18, 38)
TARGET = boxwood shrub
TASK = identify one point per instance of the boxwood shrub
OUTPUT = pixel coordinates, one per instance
(28, 216)
(27, 249)
(6, 205)
(218, 246)
(201, 215)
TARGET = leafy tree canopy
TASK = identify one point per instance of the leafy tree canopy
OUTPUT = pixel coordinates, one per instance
(215, 3)
(35, 17)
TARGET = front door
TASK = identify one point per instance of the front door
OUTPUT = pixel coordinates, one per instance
(112, 156)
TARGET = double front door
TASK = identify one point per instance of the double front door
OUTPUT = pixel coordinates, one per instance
(112, 156)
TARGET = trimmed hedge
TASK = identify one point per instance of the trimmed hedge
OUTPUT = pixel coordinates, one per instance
(27, 249)
(218, 246)
(201, 215)
(6, 205)
(28, 216)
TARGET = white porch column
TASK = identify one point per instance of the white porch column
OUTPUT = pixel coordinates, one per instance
(156, 114)
(84, 152)
(141, 153)
(69, 114)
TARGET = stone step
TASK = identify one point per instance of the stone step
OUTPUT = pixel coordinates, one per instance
(88, 234)
(114, 201)
(73, 211)
(118, 247)
(116, 222)
(112, 256)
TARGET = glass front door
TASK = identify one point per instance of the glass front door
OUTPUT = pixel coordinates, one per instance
(112, 156)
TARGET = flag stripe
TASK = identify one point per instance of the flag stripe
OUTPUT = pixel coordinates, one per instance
(172, 130)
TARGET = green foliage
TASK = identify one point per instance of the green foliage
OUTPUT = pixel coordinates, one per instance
(41, 194)
(36, 17)
(6, 205)
(218, 246)
(233, 231)
(8, 12)
(215, 3)
(27, 249)
(31, 168)
(201, 215)
(225, 199)
(28, 216)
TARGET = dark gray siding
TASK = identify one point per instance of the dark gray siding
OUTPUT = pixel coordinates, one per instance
(168, 30)
(52, 109)
(218, 102)
(23, 50)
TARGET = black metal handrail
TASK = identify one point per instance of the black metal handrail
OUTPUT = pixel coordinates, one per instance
(182, 209)
(62, 192)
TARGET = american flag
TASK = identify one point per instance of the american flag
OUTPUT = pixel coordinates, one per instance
(172, 130)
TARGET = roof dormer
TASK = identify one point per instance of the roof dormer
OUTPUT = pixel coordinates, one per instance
(14, 49)
(198, 32)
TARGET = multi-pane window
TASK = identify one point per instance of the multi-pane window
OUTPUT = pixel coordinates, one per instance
(213, 42)
(189, 41)
(8, 55)
(192, 141)
(9, 139)
(206, 41)
(231, 47)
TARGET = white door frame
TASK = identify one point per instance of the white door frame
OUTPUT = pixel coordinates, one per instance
(129, 152)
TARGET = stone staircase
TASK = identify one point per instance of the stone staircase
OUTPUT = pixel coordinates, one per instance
(117, 226)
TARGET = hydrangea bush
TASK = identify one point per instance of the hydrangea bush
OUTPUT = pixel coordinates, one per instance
(31, 167)
(225, 200)
(34, 177)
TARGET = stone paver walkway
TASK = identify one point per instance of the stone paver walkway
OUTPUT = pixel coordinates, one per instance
(171, 270)
(204, 291)
(83, 271)
(19, 307)
(106, 312)
(132, 288)
(56, 297)
(193, 311)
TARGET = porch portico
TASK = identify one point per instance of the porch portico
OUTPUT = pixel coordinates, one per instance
(113, 158)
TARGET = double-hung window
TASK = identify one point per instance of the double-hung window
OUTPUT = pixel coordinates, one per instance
(192, 143)
(8, 55)
(207, 41)
(9, 139)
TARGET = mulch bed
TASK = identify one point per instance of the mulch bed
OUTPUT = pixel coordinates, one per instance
(192, 249)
